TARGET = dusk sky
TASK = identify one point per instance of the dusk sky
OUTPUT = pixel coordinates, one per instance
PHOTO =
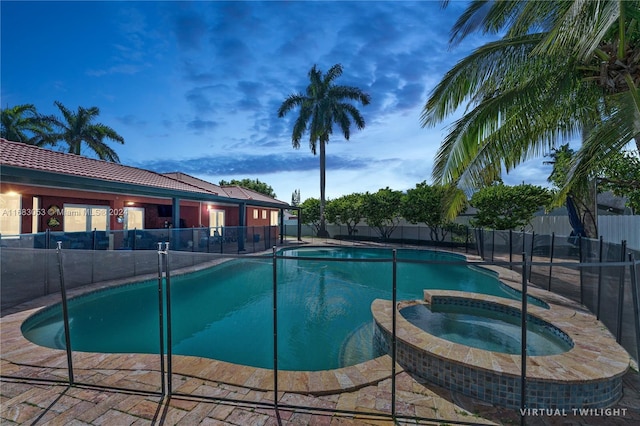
(195, 86)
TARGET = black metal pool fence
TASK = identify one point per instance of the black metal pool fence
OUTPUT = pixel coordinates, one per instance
(227, 239)
(601, 276)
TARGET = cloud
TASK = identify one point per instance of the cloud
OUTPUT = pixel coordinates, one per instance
(131, 120)
(128, 69)
(190, 29)
(201, 125)
(251, 165)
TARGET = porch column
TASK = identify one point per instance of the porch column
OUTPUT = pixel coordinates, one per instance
(175, 234)
(242, 221)
(281, 226)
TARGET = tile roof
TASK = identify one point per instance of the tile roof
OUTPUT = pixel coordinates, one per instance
(31, 157)
(236, 191)
(191, 180)
(232, 191)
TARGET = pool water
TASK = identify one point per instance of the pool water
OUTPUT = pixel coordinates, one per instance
(226, 312)
(485, 329)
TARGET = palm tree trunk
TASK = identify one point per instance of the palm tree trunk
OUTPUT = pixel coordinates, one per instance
(588, 203)
(322, 231)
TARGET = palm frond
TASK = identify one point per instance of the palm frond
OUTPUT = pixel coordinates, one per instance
(607, 138)
(518, 122)
(479, 74)
(581, 28)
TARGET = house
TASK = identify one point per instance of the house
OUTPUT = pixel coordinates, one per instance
(42, 190)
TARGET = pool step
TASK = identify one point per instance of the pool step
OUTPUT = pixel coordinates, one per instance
(358, 346)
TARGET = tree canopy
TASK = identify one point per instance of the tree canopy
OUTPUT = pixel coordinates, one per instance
(621, 175)
(22, 123)
(428, 204)
(310, 213)
(347, 210)
(77, 128)
(382, 210)
(253, 184)
(508, 207)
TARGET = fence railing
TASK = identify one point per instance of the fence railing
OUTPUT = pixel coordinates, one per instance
(28, 273)
(581, 269)
(609, 286)
(228, 239)
(458, 236)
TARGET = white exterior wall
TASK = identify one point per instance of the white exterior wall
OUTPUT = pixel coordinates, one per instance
(613, 228)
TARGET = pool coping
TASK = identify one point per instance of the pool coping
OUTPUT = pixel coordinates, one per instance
(17, 349)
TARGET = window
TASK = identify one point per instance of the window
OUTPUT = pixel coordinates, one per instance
(274, 218)
(216, 222)
(264, 214)
(133, 218)
(10, 214)
(255, 213)
(84, 218)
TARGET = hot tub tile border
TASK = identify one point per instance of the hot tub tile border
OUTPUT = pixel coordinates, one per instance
(591, 372)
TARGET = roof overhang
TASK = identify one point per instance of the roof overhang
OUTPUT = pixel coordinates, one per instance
(12, 174)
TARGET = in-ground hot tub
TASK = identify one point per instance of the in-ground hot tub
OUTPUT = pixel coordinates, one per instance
(583, 369)
(491, 327)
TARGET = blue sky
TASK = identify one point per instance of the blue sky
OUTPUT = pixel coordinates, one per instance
(195, 86)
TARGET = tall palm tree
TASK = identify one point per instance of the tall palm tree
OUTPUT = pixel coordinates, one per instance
(322, 106)
(563, 69)
(22, 123)
(78, 128)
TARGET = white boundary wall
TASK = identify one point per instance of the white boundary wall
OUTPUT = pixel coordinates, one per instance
(612, 228)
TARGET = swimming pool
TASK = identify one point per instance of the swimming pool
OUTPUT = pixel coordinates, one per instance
(226, 312)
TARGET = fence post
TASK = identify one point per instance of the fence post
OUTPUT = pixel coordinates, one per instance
(266, 229)
(510, 249)
(65, 313)
(394, 298)
(493, 243)
(275, 330)
(636, 302)
(533, 239)
(580, 261)
(161, 318)
(93, 255)
(466, 241)
(621, 293)
(46, 272)
(599, 297)
(167, 273)
(523, 349)
(551, 250)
